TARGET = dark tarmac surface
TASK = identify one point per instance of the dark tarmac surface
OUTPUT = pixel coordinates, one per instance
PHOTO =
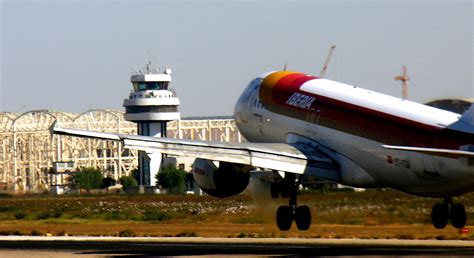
(16, 246)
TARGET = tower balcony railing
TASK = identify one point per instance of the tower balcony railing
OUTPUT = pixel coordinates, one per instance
(148, 95)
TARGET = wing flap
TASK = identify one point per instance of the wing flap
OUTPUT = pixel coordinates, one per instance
(183, 149)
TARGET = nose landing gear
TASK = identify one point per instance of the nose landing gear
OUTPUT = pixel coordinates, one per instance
(286, 214)
(443, 212)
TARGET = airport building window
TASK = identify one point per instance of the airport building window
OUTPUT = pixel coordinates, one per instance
(142, 86)
(140, 109)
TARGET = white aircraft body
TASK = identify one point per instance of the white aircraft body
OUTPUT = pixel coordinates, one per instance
(300, 125)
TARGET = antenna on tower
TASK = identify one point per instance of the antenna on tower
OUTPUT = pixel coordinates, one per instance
(148, 66)
(404, 79)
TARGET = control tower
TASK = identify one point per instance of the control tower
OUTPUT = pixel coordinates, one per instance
(151, 105)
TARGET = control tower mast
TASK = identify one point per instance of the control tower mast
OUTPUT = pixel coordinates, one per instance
(151, 105)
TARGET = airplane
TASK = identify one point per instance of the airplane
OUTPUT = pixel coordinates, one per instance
(300, 125)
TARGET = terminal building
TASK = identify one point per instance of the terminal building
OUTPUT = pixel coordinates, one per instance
(28, 152)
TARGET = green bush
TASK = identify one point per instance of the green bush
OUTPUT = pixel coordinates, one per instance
(135, 173)
(107, 182)
(35, 232)
(128, 181)
(10, 233)
(173, 179)
(187, 234)
(56, 214)
(6, 208)
(119, 215)
(43, 215)
(88, 178)
(126, 233)
(20, 215)
(156, 216)
(5, 195)
(62, 233)
(49, 214)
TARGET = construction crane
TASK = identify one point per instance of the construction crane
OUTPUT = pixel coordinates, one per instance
(404, 78)
(325, 67)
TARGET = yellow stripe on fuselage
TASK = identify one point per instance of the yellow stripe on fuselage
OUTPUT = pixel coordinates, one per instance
(266, 88)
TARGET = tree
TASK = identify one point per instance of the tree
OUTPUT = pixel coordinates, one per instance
(135, 174)
(127, 181)
(107, 182)
(88, 178)
(173, 179)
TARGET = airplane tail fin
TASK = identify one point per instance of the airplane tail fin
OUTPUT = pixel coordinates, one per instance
(466, 122)
(468, 116)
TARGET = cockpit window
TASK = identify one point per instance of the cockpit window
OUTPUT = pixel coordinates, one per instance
(253, 85)
(257, 84)
(246, 95)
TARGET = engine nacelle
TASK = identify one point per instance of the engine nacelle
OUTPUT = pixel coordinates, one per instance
(222, 180)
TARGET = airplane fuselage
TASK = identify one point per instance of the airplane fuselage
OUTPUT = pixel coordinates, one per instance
(355, 123)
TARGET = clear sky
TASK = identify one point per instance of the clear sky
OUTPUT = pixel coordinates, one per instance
(75, 55)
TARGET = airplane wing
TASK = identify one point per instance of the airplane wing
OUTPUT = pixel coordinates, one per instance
(433, 151)
(291, 158)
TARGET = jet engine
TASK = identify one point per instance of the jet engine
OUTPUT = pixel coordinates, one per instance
(221, 179)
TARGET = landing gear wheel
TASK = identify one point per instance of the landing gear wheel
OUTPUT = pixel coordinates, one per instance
(284, 218)
(280, 188)
(458, 215)
(440, 215)
(286, 186)
(286, 214)
(275, 190)
(303, 217)
(285, 192)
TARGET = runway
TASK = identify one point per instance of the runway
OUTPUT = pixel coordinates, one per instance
(12, 246)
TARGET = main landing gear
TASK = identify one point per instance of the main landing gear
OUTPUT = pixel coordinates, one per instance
(442, 212)
(286, 214)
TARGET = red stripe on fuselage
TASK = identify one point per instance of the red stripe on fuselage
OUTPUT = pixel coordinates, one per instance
(367, 122)
(288, 85)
